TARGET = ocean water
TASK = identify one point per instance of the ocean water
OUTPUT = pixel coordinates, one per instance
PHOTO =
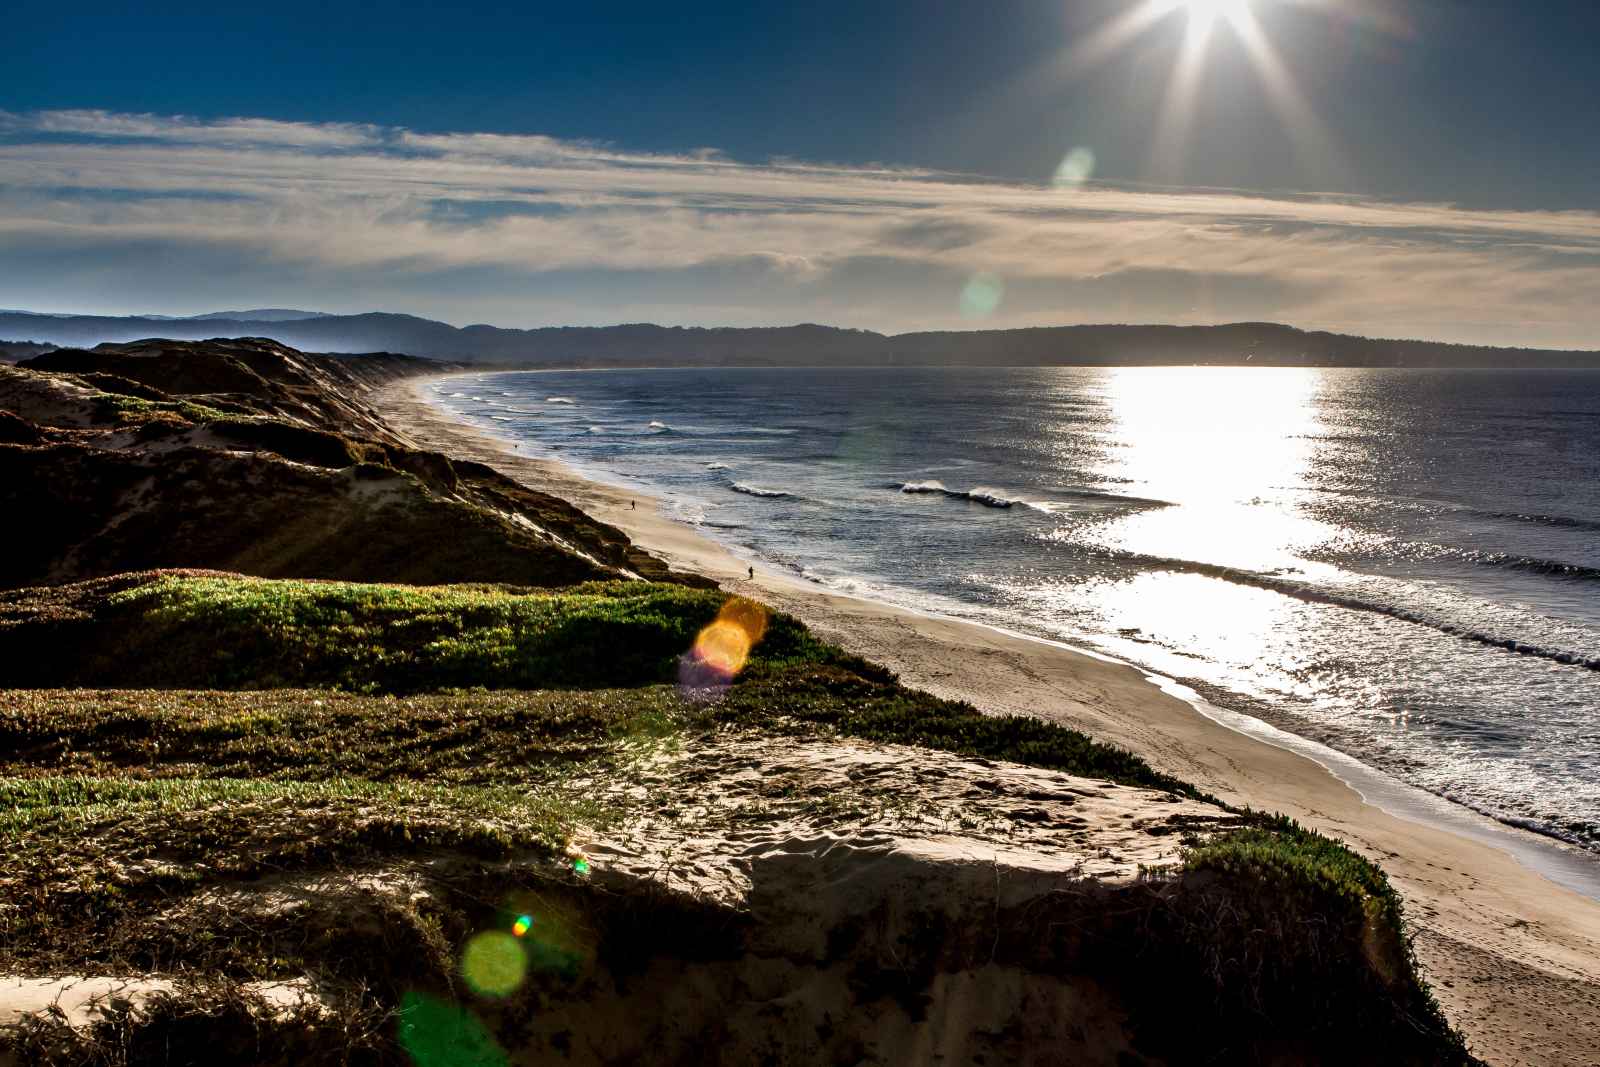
(1402, 565)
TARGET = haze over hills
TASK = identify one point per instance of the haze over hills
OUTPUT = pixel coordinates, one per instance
(253, 315)
(810, 345)
(259, 315)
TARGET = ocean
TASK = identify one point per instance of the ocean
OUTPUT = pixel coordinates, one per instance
(1401, 565)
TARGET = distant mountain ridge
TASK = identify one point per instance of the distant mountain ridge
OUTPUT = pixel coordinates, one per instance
(254, 315)
(258, 315)
(1245, 343)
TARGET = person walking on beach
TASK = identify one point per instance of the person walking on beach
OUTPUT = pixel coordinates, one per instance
(752, 574)
(633, 505)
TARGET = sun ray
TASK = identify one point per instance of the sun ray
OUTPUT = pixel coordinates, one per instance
(1387, 18)
(1171, 141)
(1313, 143)
(1100, 45)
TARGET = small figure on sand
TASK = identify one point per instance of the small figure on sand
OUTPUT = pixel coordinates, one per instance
(752, 574)
(632, 504)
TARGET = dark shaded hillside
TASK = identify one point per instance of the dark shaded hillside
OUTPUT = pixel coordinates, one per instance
(11, 351)
(251, 375)
(808, 345)
(250, 456)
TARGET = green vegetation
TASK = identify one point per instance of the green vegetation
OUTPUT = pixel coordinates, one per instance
(68, 805)
(239, 633)
(89, 845)
(452, 735)
(473, 738)
(128, 410)
(498, 737)
(876, 709)
(1304, 930)
(96, 865)
(1280, 853)
(234, 784)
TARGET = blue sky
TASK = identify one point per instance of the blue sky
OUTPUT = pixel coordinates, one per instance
(851, 163)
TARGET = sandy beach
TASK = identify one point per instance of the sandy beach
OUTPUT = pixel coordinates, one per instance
(1513, 957)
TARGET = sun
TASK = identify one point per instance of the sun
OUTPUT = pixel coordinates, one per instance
(1205, 12)
(1204, 23)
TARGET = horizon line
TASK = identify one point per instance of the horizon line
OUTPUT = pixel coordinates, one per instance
(311, 316)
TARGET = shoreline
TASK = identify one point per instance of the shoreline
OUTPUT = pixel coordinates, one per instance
(1548, 855)
(1513, 957)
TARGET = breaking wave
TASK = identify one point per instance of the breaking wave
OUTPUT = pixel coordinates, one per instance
(989, 498)
(995, 498)
(1312, 594)
(1532, 565)
(760, 490)
(1566, 522)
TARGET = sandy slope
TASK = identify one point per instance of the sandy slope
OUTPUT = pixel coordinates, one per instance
(1514, 958)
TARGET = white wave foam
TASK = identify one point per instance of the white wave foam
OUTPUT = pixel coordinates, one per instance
(758, 490)
(993, 498)
(988, 497)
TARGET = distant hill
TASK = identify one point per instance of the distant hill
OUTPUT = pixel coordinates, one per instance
(258, 315)
(11, 351)
(1245, 343)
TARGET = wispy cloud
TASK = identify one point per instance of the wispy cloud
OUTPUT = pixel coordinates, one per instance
(178, 129)
(105, 208)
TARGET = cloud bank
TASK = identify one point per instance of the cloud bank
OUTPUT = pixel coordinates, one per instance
(105, 212)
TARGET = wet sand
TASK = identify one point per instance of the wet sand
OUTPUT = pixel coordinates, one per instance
(1513, 957)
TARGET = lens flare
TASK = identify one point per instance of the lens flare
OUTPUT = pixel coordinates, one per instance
(981, 296)
(1076, 167)
(555, 942)
(494, 963)
(437, 1033)
(723, 646)
(721, 649)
